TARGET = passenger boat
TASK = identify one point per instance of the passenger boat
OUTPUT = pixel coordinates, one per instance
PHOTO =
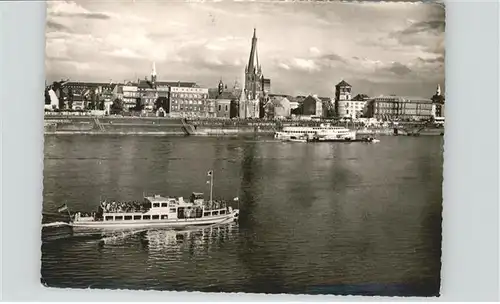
(156, 211)
(323, 132)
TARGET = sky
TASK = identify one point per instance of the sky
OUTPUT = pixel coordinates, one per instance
(303, 47)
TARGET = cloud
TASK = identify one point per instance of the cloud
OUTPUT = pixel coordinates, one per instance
(71, 9)
(399, 69)
(284, 66)
(433, 26)
(124, 53)
(314, 50)
(439, 59)
(386, 43)
(55, 26)
(305, 64)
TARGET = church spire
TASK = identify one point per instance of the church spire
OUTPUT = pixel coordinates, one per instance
(253, 61)
(153, 73)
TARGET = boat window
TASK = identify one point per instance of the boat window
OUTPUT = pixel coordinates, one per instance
(146, 217)
(137, 217)
(223, 212)
(215, 212)
(164, 216)
(206, 213)
(165, 205)
(156, 205)
(118, 218)
(128, 217)
(173, 210)
(108, 218)
(155, 217)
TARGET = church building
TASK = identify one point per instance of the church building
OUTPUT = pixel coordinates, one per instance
(256, 86)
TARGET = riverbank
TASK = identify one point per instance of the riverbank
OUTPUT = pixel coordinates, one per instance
(160, 126)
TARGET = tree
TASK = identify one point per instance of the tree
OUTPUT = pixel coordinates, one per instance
(299, 110)
(161, 102)
(47, 96)
(330, 112)
(100, 105)
(139, 106)
(438, 99)
(57, 88)
(90, 105)
(117, 106)
(70, 96)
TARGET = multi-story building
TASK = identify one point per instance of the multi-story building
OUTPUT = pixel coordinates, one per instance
(211, 108)
(278, 107)
(147, 93)
(223, 108)
(342, 99)
(438, 103)
(266, 85)
(356, 107)
(77, 95)
(312, 106)
(186, 99)
(130, 95)
(399, 107)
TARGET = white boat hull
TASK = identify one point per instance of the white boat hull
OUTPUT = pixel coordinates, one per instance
(174, 223)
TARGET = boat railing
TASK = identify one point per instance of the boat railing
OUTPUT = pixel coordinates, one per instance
(124, 207)
(214, 205)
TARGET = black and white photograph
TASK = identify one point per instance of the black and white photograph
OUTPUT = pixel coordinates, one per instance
(270, 147)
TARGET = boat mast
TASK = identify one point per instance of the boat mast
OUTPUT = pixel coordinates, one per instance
(211, 173)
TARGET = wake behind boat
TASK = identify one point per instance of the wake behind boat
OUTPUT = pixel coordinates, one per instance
(156, 211)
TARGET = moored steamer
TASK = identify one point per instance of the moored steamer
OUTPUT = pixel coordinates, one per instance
(323, 132)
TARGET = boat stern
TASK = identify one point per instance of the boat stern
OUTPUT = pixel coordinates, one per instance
(236, 214)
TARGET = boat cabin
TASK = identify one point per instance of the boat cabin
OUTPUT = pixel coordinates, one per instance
(162, 208)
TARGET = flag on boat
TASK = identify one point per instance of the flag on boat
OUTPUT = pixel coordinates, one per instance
(236, 199)
(62, 208)
(210, 173)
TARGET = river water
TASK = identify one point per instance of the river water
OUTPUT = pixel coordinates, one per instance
(323, 218)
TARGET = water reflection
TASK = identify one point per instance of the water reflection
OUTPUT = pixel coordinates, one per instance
(195, 240)
(311, 215)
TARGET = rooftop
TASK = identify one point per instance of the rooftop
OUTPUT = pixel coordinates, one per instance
(145, 84)
(88, 84)
(343, 84)
(158, 198)
(182, 84)
(403, 98)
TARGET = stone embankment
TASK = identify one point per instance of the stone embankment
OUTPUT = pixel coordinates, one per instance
(157, 126)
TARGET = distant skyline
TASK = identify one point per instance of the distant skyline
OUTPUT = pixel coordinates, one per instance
(304, 48)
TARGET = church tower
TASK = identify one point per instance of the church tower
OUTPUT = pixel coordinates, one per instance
(253, 72)
(153, 75)
(220, 87)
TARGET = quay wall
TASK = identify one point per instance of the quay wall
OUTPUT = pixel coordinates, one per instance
(112, 125)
